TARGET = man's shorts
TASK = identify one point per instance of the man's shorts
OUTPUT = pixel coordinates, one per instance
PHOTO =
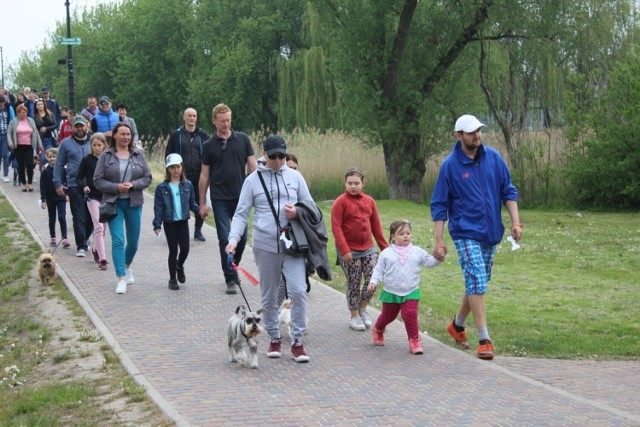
(476, 261)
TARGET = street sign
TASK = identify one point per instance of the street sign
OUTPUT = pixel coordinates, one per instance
(70, 40)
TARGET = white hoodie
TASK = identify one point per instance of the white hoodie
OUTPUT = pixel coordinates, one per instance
(285, 186)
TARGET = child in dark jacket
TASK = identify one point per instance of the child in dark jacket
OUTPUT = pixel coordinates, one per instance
(84, 179)
(173, 199)
(50, 200)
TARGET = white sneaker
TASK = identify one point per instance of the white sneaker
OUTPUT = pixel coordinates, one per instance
(365, 318)
(81, 253)
(122, 287)
(129, 277)
(6, 179)
(356, 324)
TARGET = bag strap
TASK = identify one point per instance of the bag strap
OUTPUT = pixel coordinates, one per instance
(266, 192)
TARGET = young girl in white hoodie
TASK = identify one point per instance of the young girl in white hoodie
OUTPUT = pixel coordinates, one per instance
(399, 268)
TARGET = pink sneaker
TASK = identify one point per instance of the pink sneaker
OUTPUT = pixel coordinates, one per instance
(378, 336)
(65, 243)
(414, 346)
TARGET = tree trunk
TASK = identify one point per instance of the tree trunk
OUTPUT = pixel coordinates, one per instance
(409, 163)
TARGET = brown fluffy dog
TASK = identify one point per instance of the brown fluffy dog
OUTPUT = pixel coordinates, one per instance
(47, 268)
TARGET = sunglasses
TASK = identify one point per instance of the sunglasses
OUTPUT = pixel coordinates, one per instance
(278, 156)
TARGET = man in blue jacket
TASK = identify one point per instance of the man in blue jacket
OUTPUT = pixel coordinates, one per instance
(105, 119)
(472, 185)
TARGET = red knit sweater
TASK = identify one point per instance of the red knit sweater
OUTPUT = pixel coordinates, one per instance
(353, 220)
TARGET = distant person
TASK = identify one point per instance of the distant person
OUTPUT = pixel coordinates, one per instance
(399, 268)
(52, 105)
(226, 158)
(292, 161)
(90, 111)
(55, 204)
(70, 153)
(105, 119)
(66, 128)
(122, 174)
(47, 126)
(188, 141)
(354, 218)
(6, 115)
(24, 138)
(30, 103)
(84, 179)
(473, 182)
(173, 200)
(122, 113)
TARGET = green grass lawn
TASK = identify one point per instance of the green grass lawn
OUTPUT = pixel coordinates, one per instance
(570, 292)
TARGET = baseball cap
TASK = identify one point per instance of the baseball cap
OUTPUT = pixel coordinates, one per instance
(275, 144)
(174, 159)
(78, 120)
(468, 123)
(44, 89)
(104, 99)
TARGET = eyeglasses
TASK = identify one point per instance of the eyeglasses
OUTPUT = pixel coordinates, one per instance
(224, 145)
(278, 156)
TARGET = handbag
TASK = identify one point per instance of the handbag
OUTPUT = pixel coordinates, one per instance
(287, 241)
(108, 211)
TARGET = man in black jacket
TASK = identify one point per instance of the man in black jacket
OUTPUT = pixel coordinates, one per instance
(187, 141)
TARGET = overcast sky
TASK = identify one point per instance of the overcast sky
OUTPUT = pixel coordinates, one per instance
(26, 24)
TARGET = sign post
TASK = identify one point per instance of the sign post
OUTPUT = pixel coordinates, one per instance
(70, 41)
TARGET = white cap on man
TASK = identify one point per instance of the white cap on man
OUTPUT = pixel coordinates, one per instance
(174, 159)
(468, 123)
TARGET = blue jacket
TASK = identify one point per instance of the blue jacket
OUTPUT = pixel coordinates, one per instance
(469, 194)
(163, 203)
(104, 122)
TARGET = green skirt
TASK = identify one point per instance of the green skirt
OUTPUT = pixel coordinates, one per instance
(395, 299)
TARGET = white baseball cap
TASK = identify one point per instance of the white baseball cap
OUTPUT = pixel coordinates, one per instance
(468, 123)
(174, 159)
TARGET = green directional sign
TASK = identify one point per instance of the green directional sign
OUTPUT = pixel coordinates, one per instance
(70, 40)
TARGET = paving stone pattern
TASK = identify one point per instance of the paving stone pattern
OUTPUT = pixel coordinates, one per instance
(174, 343)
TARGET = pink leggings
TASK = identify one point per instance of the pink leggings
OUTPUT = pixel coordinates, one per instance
(409, 311)
(99, 229)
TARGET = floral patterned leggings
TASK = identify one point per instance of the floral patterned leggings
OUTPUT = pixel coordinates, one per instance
(354, 272)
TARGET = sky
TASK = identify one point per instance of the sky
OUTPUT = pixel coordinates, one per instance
(26, 24)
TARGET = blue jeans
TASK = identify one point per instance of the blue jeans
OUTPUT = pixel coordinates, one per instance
(123, 249)
(223, 211)
(82, 224)
(4, 152)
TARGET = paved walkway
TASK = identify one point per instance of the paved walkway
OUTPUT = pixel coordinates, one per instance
(174, 343)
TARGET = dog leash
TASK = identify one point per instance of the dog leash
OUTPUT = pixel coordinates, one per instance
(56, 248)
(253, 280)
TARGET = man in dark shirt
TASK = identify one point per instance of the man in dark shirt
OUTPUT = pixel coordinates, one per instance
(188, 141)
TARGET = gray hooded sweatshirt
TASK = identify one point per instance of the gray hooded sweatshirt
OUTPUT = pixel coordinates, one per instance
(285, 186)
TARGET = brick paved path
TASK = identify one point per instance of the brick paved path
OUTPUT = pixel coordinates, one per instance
(174, 343)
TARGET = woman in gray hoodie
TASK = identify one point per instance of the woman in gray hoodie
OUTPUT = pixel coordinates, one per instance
(285, 188)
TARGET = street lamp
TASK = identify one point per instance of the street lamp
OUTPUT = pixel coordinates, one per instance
(69, 61)
(2, 64)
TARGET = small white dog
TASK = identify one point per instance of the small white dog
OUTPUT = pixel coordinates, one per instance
(243, 328)
(284, 317)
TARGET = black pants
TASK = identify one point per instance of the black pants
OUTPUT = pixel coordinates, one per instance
(195, 181)
(57, 208)
(24, 156)
(177, 234)
(82, 224)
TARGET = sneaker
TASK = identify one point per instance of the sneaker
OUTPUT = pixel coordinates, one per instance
(129, 276)
(485, 351)
(122, 287)
(81, 253)
(180, 273)
(378, 336)
(53, 242)
(96, 258)
(356, 324)
(231, 288)
(197, 235)
(297, 351)
(173, 285)
(102, 265)
(6, 179)
(365, 318)
(414, 346)
(459, 337)
(275, 348)
(66, 244)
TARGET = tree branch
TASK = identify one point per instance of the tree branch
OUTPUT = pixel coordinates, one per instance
(400, 43)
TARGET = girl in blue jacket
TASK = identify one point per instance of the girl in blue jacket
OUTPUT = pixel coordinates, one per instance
(173, 199)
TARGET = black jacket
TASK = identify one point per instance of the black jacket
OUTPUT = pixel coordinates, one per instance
(190, 149)
(311, 221)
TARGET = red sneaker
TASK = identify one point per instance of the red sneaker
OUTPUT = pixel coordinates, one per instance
(459, 337)
(414, 346)
(485, 351)
(275, 347)
(297, 350)
(378, 336)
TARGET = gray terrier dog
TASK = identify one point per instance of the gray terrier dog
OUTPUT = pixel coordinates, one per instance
(244, 327)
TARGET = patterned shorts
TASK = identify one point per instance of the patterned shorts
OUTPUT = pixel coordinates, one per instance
(476, 261)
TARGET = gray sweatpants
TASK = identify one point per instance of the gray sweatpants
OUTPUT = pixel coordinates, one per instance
(270, 267)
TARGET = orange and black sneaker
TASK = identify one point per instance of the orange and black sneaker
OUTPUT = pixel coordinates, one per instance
(460, 337)
(485, 351)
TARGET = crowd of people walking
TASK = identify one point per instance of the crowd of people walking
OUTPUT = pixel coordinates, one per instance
(93, 162)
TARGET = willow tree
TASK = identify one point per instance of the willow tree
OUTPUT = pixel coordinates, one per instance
(388, 58)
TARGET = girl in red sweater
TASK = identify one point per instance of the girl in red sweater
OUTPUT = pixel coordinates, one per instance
(354, 218)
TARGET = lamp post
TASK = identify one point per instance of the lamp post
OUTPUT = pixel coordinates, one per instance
(2, 64)
(69, 61)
